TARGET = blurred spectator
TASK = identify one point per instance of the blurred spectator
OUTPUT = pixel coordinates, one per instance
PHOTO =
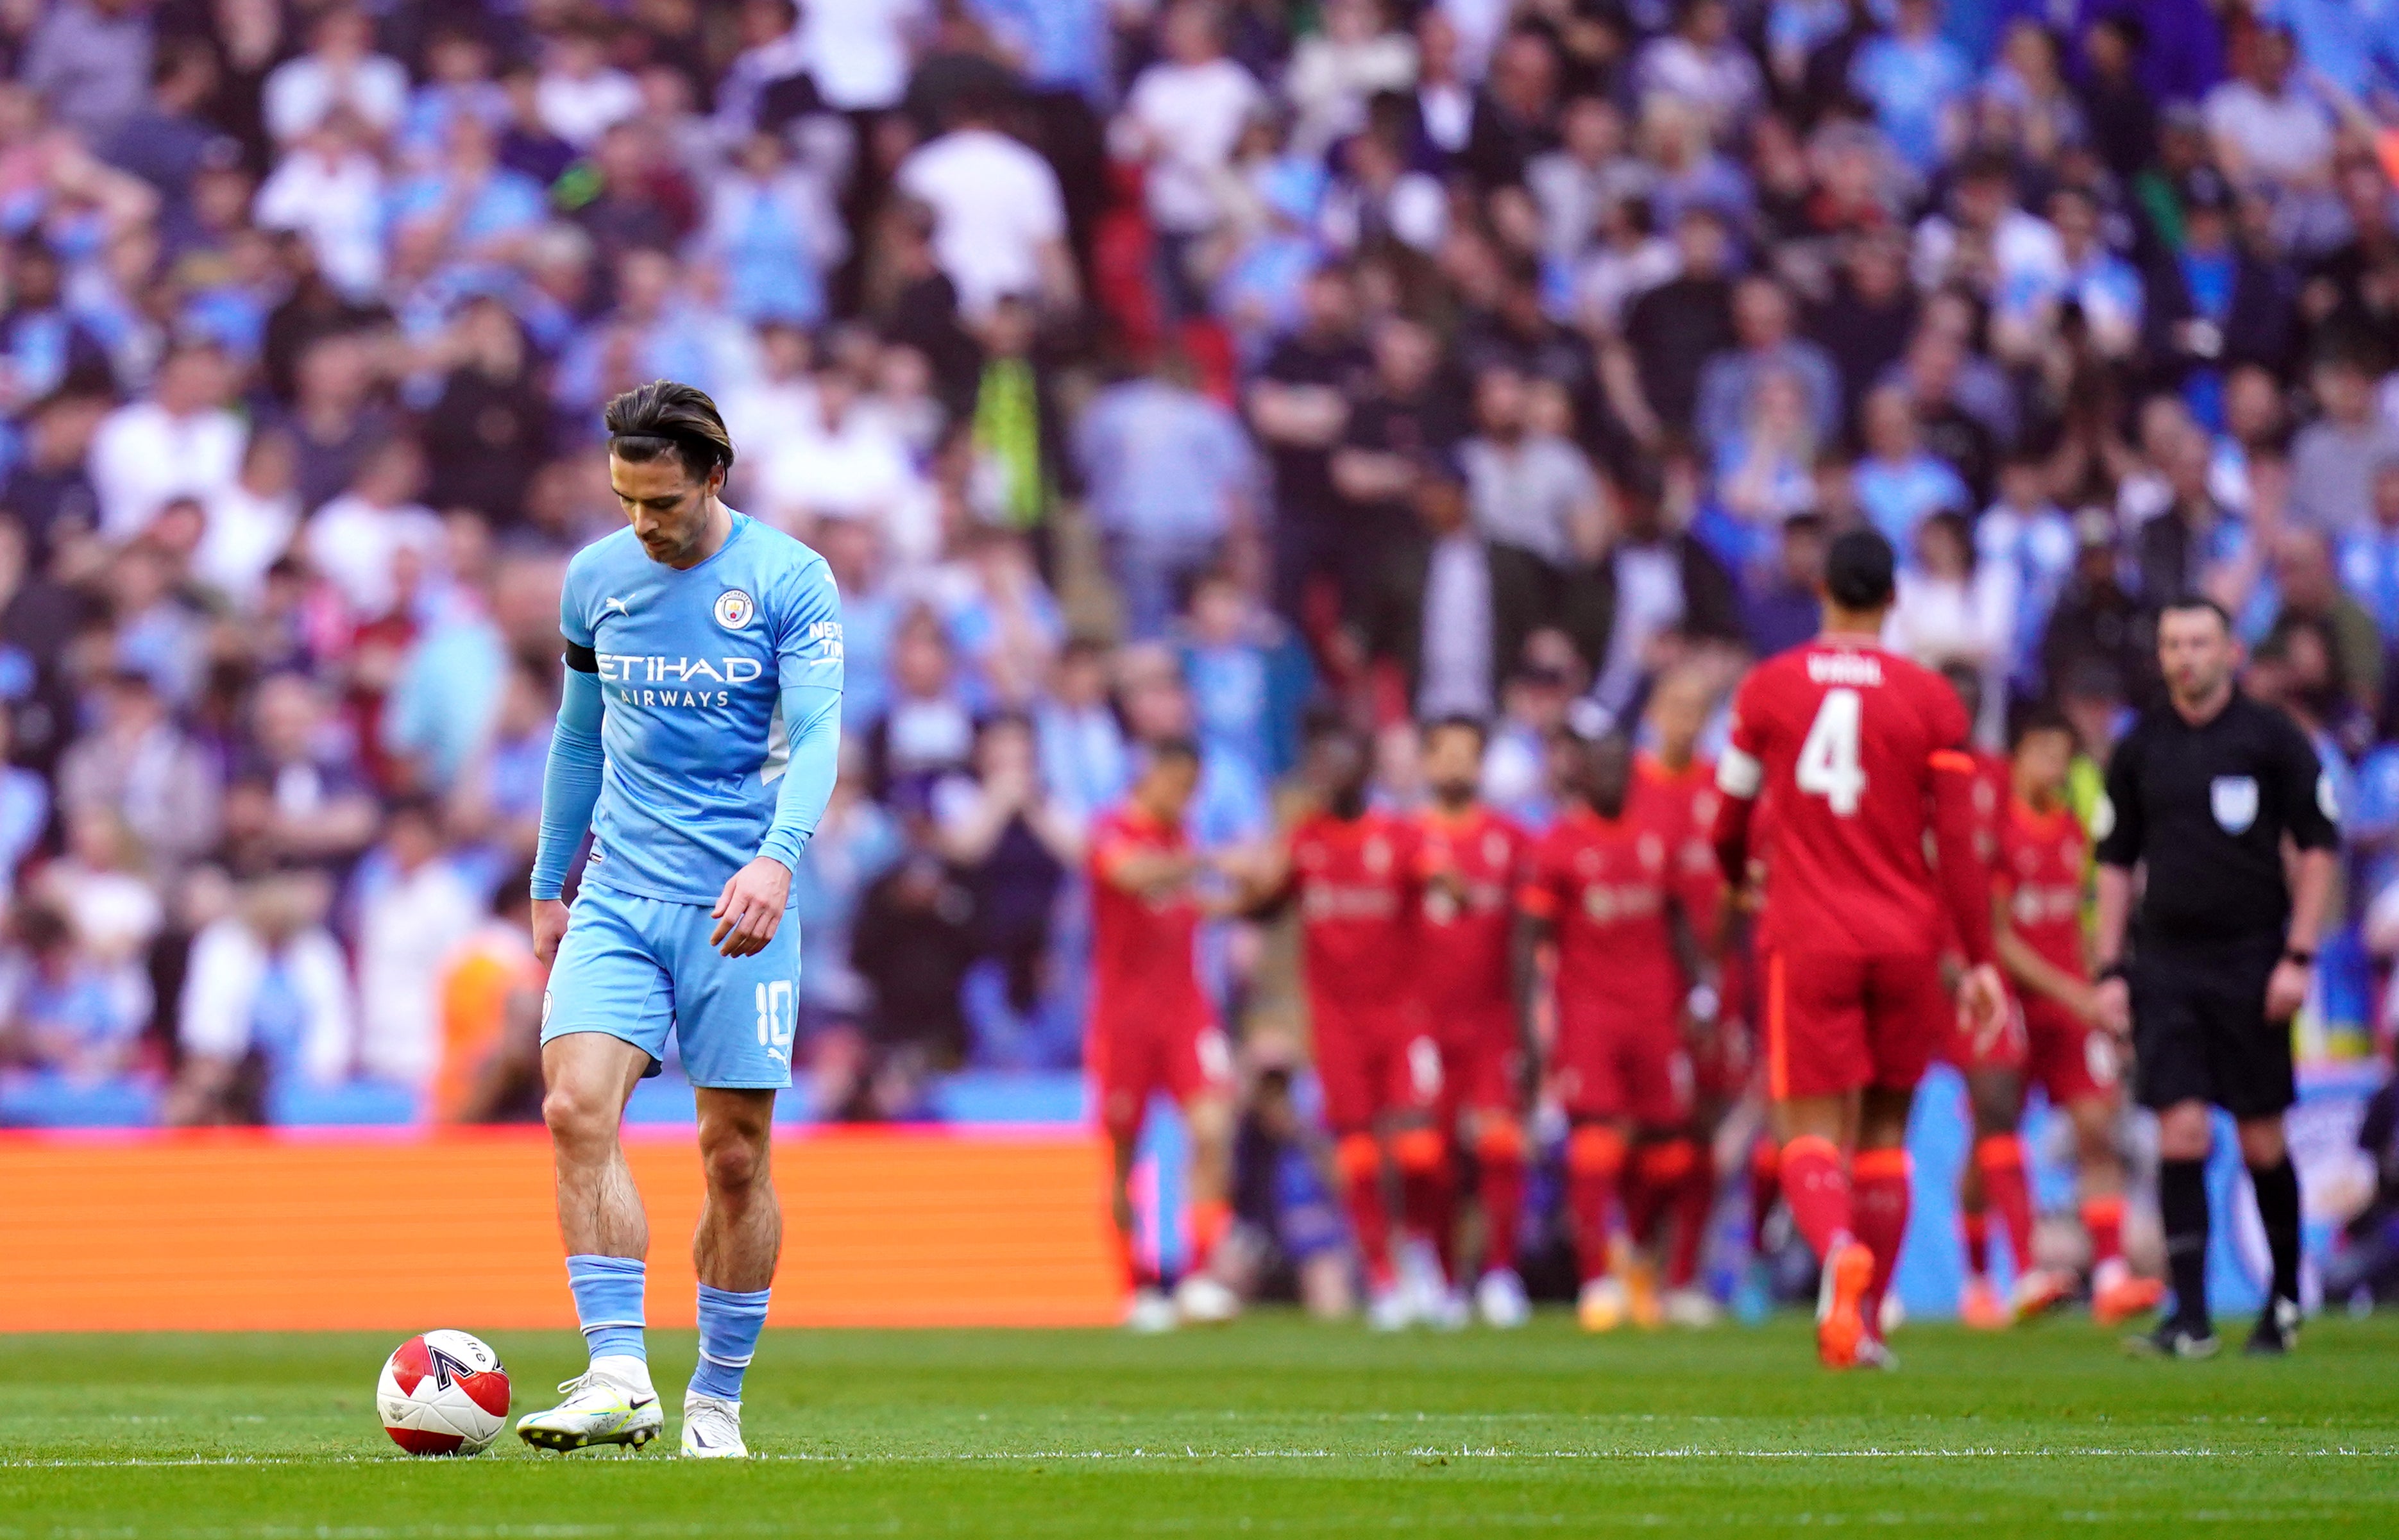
(2334, 459)
(138, 765)
(413, 907)
(266, 1004)
(2265, 125)
(1013, 847)
(1536, 504)
(491, 988)
(89, 60)
(1915, 80)
(999, 220)
(1899, 483)
(358, 539)
(184, 441)
(297, 795)
(59, 1011)
(911, 942)
(1169, 478)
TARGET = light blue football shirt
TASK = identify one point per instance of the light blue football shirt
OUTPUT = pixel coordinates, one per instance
(694, 668)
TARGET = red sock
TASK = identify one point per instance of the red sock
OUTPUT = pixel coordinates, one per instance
(1499, 1153)
(1427, 1196)
(1595, 1167)
(1657, 1173)
(2103, 1218)
(1361, 1161)
(2001, 1158)
(1880, 1177)
(1817, 1190)
(1694, 1203)
(1209, 1219)
(1978, 1243)
(1765, 1188)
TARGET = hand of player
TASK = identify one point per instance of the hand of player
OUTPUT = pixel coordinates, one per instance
(2112, 1003)
(751, 909)
(2286, 989)
(1983, 1001)
(548, 927)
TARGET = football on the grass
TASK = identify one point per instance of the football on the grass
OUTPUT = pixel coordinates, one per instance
(444, 1393)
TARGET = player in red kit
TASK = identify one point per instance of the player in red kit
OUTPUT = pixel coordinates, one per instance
(1352, 871)
(1599, 884)
(2070, 1055)
(1991, 1061)
(1855, 754)
(1152, 1028)
(1674, 1180)
(1469, 859)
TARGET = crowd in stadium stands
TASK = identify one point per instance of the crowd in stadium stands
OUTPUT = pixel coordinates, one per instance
(1143, 371)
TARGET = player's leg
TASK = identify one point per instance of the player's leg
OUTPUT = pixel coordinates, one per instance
(2257, 1083)
(1421, 1153)
(733, 1251)
(1657, 1086)
(2175, 1080)
(1687, 1301)
(1997, 1094)
(1907, 1011)
(1118, 1057)
(2074, 1065)
(1597, 1148)
(1202, 1296)
(1346, 1065)
(604, 1023)
(1817, 1062)
(2275, 1185)
(1496, 1136)
(736, 1021)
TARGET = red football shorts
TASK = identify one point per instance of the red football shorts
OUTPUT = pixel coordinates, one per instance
(1370, 1062)
(2068, 1057)
(1130, 1060)
(1479, 1058)
(1624, 1063)
(1972, 1051)
(1836, 1023)
(1723, 1061)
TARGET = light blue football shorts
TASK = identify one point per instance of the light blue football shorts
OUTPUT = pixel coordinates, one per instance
(638, 968)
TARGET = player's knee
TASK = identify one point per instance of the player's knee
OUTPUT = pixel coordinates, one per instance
(2262, 1144)
(579, 1114)
(1210, 1120)
(733, 1161)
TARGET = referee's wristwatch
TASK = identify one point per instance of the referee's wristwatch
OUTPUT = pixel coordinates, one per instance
(2112, 973)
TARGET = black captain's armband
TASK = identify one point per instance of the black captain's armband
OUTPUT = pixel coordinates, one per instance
(582, 659)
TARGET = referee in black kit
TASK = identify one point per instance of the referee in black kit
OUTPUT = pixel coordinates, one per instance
(2203, 792)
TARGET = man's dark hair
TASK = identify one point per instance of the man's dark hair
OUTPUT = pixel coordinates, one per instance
(1462, 722)
(2040, 718)
(2190, 602)
(1173, 747)
(1858, 569)
(665, 417)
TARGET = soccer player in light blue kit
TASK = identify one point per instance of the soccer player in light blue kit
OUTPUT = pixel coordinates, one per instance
(697, 742)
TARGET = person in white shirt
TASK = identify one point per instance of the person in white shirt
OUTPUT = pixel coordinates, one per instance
(251, 521)
(331, 189)
(1336, 72)
(851, 463)
(1182, 120)
(2265, 125)
(359, 539)
(266, 979)
(412, 912)
(1954, 612)
(999, 219)
(859, 50)
(581, 97)
(341, 69)
(183, 441)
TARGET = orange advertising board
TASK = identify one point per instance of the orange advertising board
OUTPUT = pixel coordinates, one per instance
(285, 1231)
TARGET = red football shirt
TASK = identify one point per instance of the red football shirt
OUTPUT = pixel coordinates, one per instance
(1604, 883)
(1463, 958)
(1143, 969)
(1356, 885)
(1836, 740)
(2040, 876)
(1681, 806)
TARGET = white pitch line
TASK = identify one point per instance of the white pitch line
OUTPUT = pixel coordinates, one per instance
(1004, 1456)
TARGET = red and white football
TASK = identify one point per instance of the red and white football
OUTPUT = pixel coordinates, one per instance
(444, 1393)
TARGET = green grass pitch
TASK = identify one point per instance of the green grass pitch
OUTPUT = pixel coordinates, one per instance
(1274, 1425)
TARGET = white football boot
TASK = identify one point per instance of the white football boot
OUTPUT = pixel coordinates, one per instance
(1201, 1300)
(1501, 1299)
(1149, 1312)
(609, 1403)
(712, 1428)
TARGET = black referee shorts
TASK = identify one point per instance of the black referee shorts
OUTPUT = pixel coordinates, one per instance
(2200, 1027)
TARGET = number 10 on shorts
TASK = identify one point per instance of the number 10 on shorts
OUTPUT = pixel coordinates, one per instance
(778, 1014)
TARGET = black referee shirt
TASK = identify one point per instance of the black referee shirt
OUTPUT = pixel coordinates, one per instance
(2206, 807)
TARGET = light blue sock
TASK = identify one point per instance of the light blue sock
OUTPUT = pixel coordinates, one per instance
(729, 1324)
(608, 1302)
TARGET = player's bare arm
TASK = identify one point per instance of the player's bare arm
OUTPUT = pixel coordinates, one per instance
(2035, 973)
(2112, 997)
